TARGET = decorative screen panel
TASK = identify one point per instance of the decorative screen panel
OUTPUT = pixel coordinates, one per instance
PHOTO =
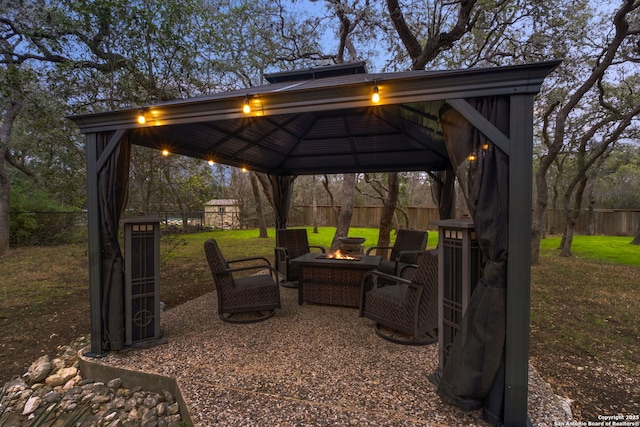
(459, 269)
(142, 280)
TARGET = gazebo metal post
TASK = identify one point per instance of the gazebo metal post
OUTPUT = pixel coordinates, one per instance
(95, 267)
(519, 261)
(95, 163)
(519, 246)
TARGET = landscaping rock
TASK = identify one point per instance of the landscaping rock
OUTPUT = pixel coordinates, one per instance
(39, 370)
(59, 382)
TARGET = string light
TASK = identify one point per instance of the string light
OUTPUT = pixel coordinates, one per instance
(472, 157)
(244, 169)
(141, 119)
(246, 108)
(211, 163)
(375, 96)
(165, 152)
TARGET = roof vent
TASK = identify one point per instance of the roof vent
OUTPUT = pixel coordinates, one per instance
(317, 73)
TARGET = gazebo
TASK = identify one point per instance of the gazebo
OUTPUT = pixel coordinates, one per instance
(323, 120)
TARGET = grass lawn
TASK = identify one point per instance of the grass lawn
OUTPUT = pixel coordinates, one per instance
(609, 249)
(585, 321)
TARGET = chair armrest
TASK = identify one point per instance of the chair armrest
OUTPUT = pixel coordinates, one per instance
(318, 247)
(272, 271)
(283, 252)
(405, 268)
(403, 254)
(256, 258)
(387, 276)
(378, 247)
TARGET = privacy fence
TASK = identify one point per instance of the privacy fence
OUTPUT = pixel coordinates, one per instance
(611, 222)
(50, 228)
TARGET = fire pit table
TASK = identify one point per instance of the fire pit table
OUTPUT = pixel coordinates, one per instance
(334, 281)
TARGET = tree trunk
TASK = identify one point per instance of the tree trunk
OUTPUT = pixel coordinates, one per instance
(567, 239)
(591, 216)
(11, 113)
(571, 215)
(5, 204)
(314, 202)
(538, 219)
(346, 211)
(636, 236)
(554, 227)
(386, 218)
(266, 188)
(262, 224)
(405, 216)
(176, 196)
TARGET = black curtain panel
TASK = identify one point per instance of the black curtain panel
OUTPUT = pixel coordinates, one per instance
(282, 187)
(113, 183)
(473, 376)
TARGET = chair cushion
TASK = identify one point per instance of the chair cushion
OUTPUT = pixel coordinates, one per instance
(386, 266)
(259, 291)
(393, 302)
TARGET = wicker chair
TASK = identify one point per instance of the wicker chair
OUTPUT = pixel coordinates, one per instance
(405, 312)
(258, 293)
(408, 246)
(290, 244)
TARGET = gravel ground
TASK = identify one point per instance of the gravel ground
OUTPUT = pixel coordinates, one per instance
(308, 365)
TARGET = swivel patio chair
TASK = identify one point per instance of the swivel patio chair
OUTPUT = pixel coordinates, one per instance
(405, 312)
(258, 293)
(290, 244)
(409, 245)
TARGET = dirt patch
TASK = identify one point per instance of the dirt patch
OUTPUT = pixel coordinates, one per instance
(585, 334)
(27, 333)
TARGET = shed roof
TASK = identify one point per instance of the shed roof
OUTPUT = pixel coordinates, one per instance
(222, 202)
(320, 125)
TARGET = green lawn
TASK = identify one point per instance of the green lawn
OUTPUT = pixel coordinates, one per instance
(610, 249)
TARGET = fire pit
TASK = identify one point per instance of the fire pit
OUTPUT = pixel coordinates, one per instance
(339, 255)
(334, 281)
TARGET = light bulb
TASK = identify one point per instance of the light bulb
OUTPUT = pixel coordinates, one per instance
(165, 152)
(141, 119)
(375, 97)
(246, 108)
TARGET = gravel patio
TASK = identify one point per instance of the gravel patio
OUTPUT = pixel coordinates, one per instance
(308, 365)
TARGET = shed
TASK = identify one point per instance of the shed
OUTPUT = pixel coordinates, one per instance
(477, 122)
(222, 213)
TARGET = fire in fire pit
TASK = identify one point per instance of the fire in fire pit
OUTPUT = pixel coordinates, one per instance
(339, 255)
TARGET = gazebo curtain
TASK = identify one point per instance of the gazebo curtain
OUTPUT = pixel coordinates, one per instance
(473, 376)
(282, 187)
(113, 183)
(443, 192)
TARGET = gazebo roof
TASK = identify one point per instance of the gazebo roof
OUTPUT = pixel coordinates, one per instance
(320, 120)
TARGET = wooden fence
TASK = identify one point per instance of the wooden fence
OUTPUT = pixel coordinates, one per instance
(610, 222)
